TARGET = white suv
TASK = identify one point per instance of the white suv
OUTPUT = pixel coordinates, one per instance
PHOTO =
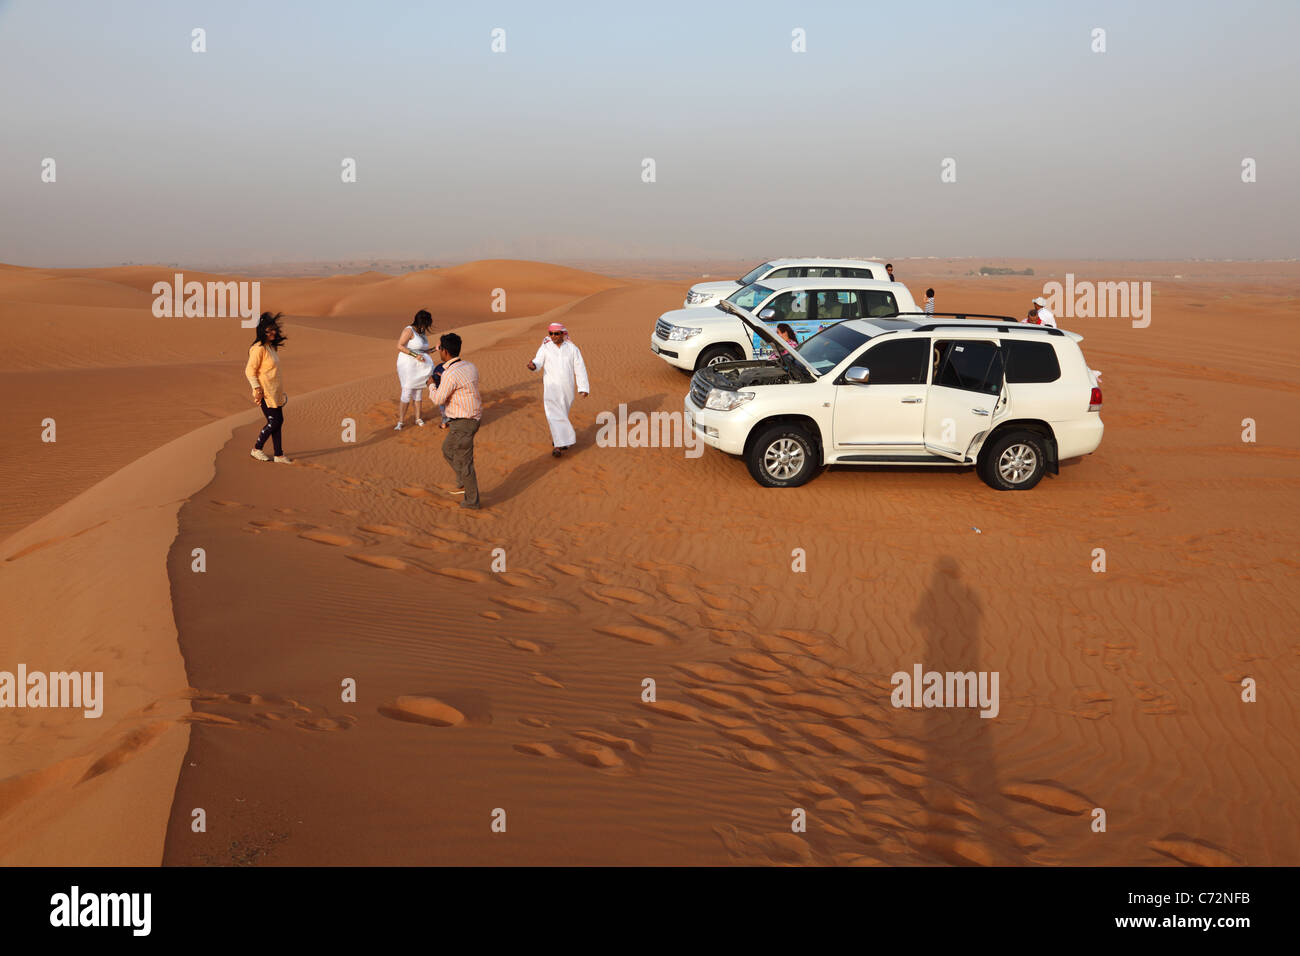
(708, 293)
(693, 338)
(1010, 398)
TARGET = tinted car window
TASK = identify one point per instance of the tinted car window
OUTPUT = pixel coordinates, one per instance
(900, 362)
(876, 303)
(857, 273)
(1031, 362)
(828, 348)
(836, 306)
(970, 366)
(786, 273)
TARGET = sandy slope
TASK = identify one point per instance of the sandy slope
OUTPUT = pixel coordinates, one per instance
(1119, 690)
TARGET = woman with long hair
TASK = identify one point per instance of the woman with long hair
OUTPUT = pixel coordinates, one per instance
(414, 365)
(263, 374)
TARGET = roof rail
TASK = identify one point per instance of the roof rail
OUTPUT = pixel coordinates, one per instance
(1015, 326)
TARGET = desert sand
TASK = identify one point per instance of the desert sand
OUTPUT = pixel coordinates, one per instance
(481, 690)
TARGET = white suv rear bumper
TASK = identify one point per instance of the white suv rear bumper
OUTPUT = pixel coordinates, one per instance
(1079, 436)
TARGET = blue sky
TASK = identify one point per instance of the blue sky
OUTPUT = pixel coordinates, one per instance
(234, 155)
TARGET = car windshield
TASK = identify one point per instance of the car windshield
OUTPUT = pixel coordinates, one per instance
(755, 274)
(750, 296)
(828, 348)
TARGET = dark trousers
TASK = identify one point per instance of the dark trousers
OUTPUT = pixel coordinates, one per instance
(271, 430)
(458, 449)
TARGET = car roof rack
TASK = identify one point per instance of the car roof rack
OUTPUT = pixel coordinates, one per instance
(1015, 326)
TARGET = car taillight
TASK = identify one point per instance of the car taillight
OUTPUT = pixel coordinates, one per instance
(1094, 403)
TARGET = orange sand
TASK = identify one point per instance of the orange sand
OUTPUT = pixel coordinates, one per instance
(521, 690)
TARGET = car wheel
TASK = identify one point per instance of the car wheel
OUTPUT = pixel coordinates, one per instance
(1014, 461)
(719, 353)
(783, 456)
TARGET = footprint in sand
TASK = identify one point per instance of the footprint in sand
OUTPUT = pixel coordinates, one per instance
(530, 647)
(423, 710)
(617, 595)
(456, 537)
(327, 723)
(572, 570)
(706, 671)
(534, 605)
(716, 698)
(384, 529)
(324, 537)
(387, 562)
(1193, 852)
(755, 760)
(532, 721)
(270, 524)
(546, 680)
(521, 579)
(1049, 796)
(758, 662)
(675, 709)
(635, 633)
(126, 748)
(538, 750)
(612, 741)
(678, 594)
(462, 574)
(490, 615)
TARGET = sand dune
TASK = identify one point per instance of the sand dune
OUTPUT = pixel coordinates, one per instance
(479, 689)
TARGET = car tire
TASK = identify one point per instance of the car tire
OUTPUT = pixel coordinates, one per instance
(1014, 461)
(783, 456)
(719, 353)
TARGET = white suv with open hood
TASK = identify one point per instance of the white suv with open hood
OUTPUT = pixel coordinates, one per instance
(708, 293)
(693, 338)
(1009, 398)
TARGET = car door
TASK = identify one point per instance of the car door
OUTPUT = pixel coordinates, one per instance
(966, 385)
(886, 416)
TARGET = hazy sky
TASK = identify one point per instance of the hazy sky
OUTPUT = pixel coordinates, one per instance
(233, 155)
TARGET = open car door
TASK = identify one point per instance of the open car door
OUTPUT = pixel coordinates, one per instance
(964, 397)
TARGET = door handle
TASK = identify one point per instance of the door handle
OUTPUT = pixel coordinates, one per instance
(980, 411)
(911, 401)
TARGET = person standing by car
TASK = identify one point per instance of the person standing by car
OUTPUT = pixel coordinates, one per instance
(263, 374)
(1042, 313)
(562, 367)
(929, 302)
(889, 268)
(458, 393)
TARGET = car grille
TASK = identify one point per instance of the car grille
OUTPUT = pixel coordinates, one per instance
(699, 391)
(662, 329)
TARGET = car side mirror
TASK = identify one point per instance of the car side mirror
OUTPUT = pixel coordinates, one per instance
(767, 315)
(857, 375)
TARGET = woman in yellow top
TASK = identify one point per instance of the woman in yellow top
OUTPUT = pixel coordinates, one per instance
(263, 373)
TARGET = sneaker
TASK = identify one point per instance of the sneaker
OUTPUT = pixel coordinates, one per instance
(420, 422)
(260, 455)
(283, 460)
(397, 427)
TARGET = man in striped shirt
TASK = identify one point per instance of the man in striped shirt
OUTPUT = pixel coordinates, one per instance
(458, 392)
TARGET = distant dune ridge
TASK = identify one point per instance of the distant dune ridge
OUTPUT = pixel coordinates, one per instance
(521, 689)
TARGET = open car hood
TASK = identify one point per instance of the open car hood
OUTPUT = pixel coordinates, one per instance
(775, 341)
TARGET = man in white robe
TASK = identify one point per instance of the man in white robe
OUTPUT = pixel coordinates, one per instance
(562, 369)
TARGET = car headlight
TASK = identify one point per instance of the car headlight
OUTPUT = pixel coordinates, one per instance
(680, 333)
(724, 401)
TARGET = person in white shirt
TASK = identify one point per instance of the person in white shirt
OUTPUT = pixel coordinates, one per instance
(562, 367)
(1042, 313)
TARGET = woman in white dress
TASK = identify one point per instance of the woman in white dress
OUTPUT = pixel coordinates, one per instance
(414, 365)
(562, 368)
